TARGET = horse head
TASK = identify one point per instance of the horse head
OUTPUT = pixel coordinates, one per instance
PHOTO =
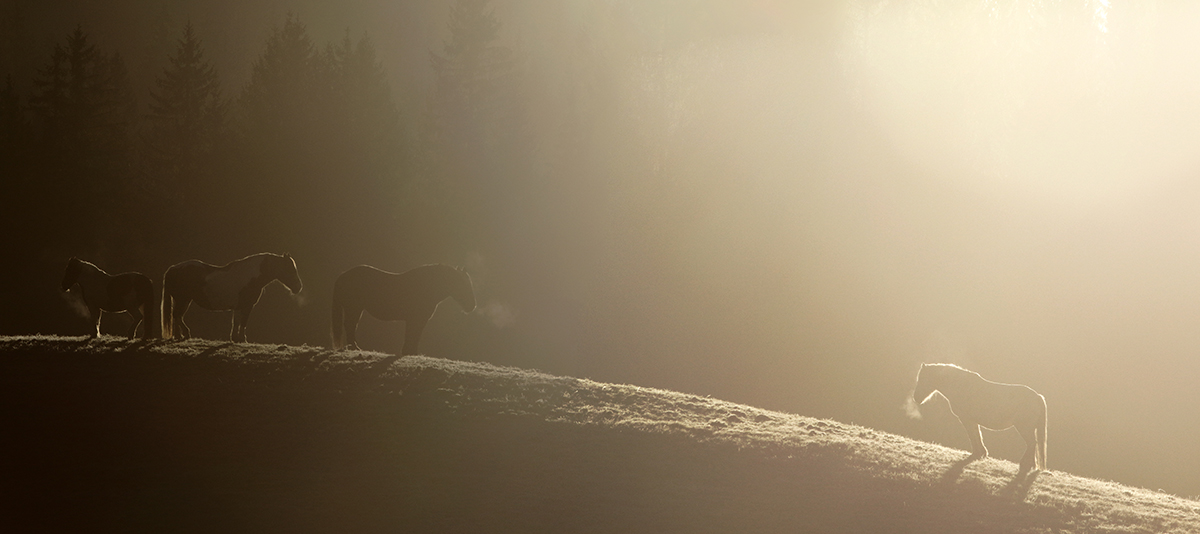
(926, 384)
(288, 275)
(462, 292)
(74, 267)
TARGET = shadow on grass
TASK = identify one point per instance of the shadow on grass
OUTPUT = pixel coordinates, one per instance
(1019, 486)
(140, 344)
(214, 349)
(380, 365)
(950, 477)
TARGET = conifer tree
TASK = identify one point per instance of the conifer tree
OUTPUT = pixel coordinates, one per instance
(186, 116)
(15, 133)
(14, 129)
(320, 133)
(474, 137)
(365, 137)
(279, 101)
(86, 111)
(474, 76)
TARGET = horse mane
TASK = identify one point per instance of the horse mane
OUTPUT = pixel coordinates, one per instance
(85, 262)
(949, 366)
(255, 255)
(458, 272)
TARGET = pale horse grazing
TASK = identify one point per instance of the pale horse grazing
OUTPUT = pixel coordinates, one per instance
(235, 286)
(978, 402)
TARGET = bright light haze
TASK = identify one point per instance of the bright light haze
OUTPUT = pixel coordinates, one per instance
(785, 204)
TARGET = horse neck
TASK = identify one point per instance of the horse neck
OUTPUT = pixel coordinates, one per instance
(266, 264)
(953, 380)
(439, 281)
(277, 268)
(454, 284)
(458, 288)
(89, 274)
(266, 267)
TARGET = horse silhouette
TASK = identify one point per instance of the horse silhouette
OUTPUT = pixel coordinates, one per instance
(978, 402)
(131, 293)
(411, 296)
(236, 286)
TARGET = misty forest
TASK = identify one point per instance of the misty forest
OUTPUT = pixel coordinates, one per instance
(791, 205)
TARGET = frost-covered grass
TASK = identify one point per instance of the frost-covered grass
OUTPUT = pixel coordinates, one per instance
(203, 435)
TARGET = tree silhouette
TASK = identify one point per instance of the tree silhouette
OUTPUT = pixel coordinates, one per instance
(474, 77)
(87, 111)
(278, 118)
(474, 135)
(320, 138)
(15, 136)
(15, 130)
(283, 89)
(364, 143)
(186, 115)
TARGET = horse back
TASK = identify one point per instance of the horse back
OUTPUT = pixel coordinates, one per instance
(1000, 405)
(187, 271)
(127, 290)
(186, 280)
(386, 295)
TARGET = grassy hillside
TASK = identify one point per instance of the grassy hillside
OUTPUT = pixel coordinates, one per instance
(203, 436)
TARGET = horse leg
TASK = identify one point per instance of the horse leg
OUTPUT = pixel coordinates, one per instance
(350, 320)
(976, 435)
(95, 312)
(412, 335)
(1028, 460)
(137, 321)
(181, 328)
(1040, 430)
(240, 316)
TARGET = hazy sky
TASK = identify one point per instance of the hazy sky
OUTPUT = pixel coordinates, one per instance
(832, 193)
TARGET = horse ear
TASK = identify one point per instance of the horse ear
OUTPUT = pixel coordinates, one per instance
(287, 256)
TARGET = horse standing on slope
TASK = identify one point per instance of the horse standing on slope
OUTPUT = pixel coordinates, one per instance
(131, 293)
(411, 296)
(978, 402)
(236, 286)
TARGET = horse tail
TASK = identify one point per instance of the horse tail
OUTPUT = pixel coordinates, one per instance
(1040, 430)
(165, 313)
(336, 328)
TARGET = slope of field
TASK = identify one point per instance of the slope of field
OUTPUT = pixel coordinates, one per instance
(203, 436)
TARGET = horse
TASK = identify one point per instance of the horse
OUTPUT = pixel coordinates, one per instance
(978, 402)
(235, 286)
(131, 293)
(411, 296)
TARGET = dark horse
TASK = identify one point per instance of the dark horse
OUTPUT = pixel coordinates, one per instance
(411, 296)
(131, 293)
(982, 403)
(236, 286)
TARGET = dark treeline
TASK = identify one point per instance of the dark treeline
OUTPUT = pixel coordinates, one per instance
(511, 160)
(312, 156)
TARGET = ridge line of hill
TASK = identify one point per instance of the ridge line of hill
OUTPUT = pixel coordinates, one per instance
(708, 454)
